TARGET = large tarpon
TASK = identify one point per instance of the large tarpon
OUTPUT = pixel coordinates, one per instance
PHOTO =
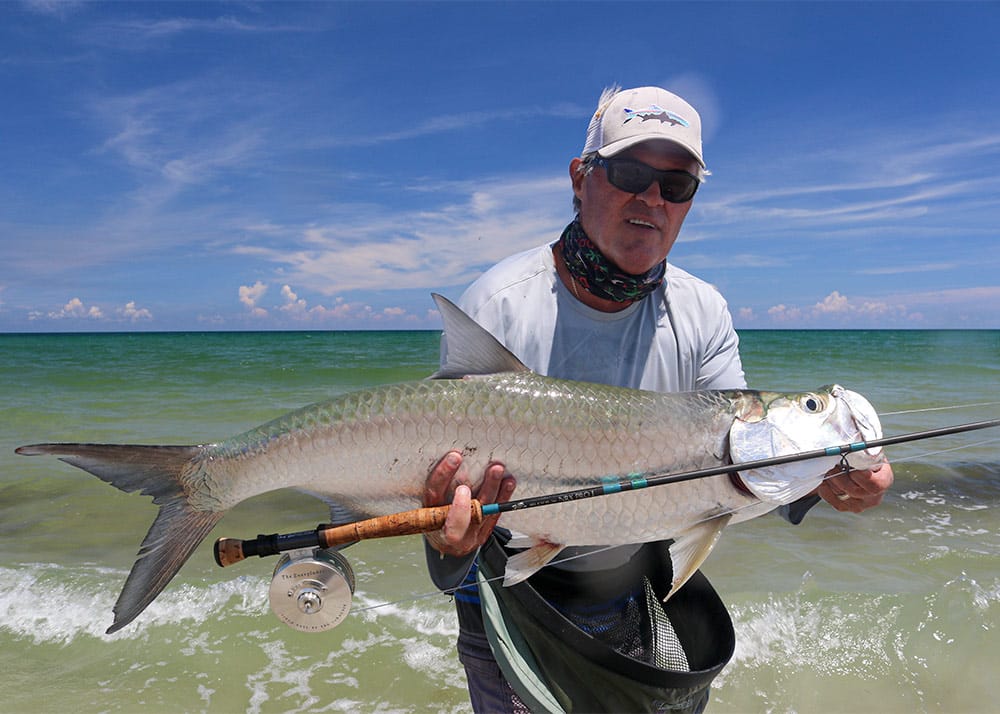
(368, 453)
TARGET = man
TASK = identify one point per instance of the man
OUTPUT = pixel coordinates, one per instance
(602, 304)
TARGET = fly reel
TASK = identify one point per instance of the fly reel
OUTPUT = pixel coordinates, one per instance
(311, 589)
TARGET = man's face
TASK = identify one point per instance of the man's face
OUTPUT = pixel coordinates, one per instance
(634, 231)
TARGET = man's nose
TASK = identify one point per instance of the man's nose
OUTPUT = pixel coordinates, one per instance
(652, 196)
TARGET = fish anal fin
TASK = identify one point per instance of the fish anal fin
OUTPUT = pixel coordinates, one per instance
(340, 513)
(522, 566)
(692, 547)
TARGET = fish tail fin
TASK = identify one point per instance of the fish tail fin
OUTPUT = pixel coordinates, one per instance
(163, 472)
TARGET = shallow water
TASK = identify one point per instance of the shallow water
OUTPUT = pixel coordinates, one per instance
(896, 610)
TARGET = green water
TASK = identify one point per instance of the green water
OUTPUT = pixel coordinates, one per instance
(896, 610)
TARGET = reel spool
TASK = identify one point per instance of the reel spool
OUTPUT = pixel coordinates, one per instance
(311, 590)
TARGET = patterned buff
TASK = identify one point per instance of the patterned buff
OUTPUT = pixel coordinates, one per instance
(600, 276)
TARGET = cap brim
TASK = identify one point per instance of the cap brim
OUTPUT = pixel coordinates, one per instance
(616, 147)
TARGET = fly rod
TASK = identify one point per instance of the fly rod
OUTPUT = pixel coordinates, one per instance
(422, 520)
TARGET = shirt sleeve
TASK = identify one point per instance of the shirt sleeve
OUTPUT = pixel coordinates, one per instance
(447, 572)
(721, 367)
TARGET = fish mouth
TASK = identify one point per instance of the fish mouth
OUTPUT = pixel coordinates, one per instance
(866, 420)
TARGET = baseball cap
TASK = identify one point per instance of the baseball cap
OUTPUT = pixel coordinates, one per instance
(631, 116)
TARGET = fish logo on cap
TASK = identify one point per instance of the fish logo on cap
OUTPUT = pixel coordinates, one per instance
(657, 112)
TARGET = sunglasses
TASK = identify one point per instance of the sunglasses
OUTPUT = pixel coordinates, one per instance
(631, 176)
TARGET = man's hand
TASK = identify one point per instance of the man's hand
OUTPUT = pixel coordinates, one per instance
(856, 491)
(448, 482)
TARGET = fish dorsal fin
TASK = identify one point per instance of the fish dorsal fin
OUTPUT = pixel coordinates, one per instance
(469, 349)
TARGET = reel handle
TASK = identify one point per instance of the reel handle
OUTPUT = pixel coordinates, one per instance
(420, 520)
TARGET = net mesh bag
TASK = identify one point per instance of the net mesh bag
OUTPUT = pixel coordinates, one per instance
(601, 648)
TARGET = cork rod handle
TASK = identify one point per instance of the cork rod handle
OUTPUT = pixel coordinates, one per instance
(419, 520)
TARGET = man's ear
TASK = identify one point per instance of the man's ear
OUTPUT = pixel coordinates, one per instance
(577, 175)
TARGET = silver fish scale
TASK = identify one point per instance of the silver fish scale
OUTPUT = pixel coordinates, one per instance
(371, 451)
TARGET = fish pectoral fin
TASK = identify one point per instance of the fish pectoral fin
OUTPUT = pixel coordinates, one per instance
(690, 549)
(522, 566)
(521, 540)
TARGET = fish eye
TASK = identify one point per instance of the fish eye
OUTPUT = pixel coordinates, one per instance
(811, 404)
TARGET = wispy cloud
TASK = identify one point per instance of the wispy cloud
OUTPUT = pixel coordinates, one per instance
(903, 269)
(181, 25)
(450, 122)
(174, 155)
(138, 34)
(158, 178)
(183, 132)
(54, 8)
(364, 249)
(724, 260)
(978, 295)
(878, 182)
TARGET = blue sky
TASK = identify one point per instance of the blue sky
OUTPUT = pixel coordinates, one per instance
(326, 166)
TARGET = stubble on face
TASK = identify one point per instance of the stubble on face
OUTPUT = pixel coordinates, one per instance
(633, 231)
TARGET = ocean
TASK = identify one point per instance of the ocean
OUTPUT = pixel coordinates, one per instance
(894, 610)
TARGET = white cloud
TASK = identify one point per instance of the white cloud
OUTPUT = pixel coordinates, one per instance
(951, 308)
(294, 305)
(838, 309)
(134, 314)
(76, 309)
(783, 313)
(250, 295)
(833, 303)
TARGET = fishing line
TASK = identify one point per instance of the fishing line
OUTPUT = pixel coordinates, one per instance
(914, 457)
(405, 600)
(938, 409)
